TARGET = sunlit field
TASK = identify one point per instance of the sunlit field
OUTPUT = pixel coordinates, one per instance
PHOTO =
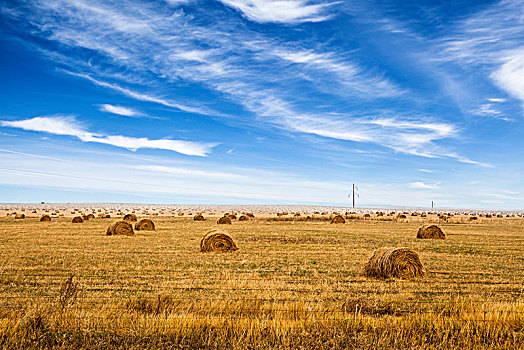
(291, 284)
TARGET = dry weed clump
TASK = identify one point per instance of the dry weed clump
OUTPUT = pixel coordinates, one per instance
(45, 218)
(77, 220)
(224, 220)
(338, 219)
(430, 232)
(145, 225)
(394, 262)
(121, 227)
(217, 241)
(199, 217)
(130, 217)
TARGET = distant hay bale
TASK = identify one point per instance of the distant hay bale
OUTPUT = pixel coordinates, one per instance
(224, 220)
(338, 219)
(107, 216)
(130, 217)
(232, 216)
(84, 217)
(77, 220)
(19, 216)
(121, 227)
(45, 218)
(90, 216)
(472, 218)
(430, 232)
(180, 214)
(217, 241)
(392, 262)
(199, 217)
(250, 215)
(243, 218)
(145, 225)
(500, 215)
(402, 216)
(367, 216)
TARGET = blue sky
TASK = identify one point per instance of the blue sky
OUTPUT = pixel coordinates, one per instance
(263, 101)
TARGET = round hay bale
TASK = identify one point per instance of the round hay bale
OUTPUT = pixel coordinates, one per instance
(217, 241)
(45, 218)
(243, 218)
(402, 216)
(121, 227)
(338, 219)
(180, 214)
(19, 216)
(130, 217)
(367, 216)
(90, 216)
(472, 218)
(145, 225)
(394, 262)
(224, 220)
(199, 217)
(430, 232)
(77, 220)
(231, 216)
(84, 217)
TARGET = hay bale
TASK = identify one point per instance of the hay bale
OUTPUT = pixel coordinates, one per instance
(145, 225)
(45, 218)
(19, 216)
(180, 214)
(394, 262)
(84, 217)
(130, 217)
(472, 218)
(231, 216)
(121, 227)
(430, 232)
(338, 219)
(77, 220)
(217, 241)
(402, 216)
(224, 220)
(243, 218)
(199, 217)
(90, 216)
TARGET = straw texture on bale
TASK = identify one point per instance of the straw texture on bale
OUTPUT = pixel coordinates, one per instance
(145, 225)
(20, 216)
(199, 217)
(130, 217)
(430, 232)
(224, 220)
(77, 220)
(217, 241)
(338, 219)
(121, 227)
(243, 218)
(45, 218)
(392, 262)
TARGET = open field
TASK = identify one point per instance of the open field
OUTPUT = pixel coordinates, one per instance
(292, 284)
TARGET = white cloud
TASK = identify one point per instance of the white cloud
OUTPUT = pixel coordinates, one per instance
(425, 170)
(418, 185)
(66, 125)
(499, 100)
(510, 76)
(189, 172)
(125, 111)
(280, 11)
(143, 97)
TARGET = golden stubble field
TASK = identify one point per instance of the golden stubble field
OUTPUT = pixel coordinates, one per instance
(291, 284)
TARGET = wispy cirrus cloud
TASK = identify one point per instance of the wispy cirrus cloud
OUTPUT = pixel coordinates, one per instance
(67, 125)
(281, 11)
(120, 110)
(419, 185)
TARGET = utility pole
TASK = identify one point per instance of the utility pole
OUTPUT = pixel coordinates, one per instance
(353, 194)
(432, 205)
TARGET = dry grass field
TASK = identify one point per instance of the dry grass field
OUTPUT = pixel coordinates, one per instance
(291, 284)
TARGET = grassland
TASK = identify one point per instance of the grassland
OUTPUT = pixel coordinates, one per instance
(291, 285)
